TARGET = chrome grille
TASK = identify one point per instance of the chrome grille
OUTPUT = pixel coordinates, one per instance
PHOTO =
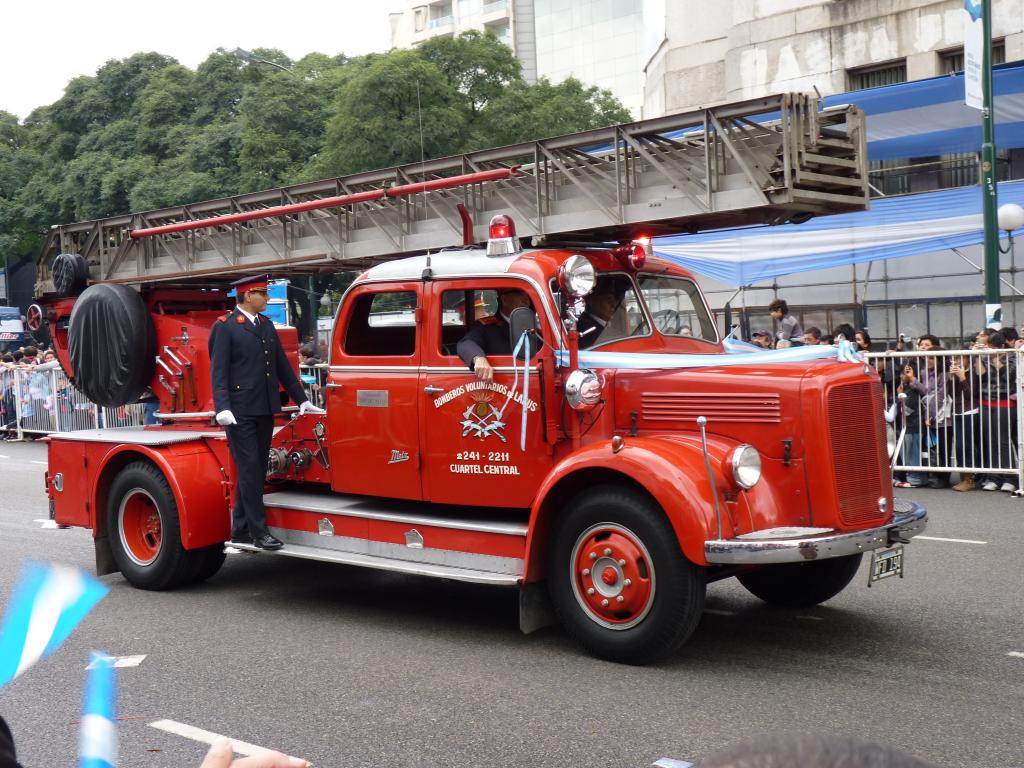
(857, 436)
(717, 407)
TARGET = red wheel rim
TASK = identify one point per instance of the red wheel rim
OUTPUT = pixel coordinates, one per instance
(34, 317)
(138, 522)
(612, 576)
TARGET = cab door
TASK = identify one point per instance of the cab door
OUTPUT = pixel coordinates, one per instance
(470, 432)
(373, 393)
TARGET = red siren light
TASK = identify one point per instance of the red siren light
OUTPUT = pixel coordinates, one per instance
(502, 227)
(639, 252)
(501, 236)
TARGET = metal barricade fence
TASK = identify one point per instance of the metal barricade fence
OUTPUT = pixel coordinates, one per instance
(955, 411)
(314, 380)
(41, 400)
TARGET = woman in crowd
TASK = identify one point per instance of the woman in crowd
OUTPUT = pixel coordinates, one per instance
(962, 388)
(863, 340)
(997, 378)
(908, 419)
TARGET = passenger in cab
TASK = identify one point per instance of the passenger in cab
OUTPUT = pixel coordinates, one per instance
(490, 335)
(601, 305)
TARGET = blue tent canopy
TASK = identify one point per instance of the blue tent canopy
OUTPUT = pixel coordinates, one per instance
(892, 227)
(928, 117)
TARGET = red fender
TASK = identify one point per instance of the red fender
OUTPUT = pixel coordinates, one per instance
(198, 483)
(670, 469)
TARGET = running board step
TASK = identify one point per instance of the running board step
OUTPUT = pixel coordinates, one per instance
(381, 563)
(484, 546)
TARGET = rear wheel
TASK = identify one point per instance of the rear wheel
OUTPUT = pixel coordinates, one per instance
(799, 585)
(144, 532)
(618, 580)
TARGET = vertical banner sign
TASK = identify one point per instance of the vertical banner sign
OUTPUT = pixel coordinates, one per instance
(974, 41)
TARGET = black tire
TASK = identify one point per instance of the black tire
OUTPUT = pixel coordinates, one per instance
(111, 342)
(799, 585)
(70, 272)
(140, 503)
(208, 562)
(649, 629)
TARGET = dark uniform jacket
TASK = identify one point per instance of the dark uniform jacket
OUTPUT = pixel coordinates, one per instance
(589, 330)
(248, 367)
(488, 336)
(7, 756)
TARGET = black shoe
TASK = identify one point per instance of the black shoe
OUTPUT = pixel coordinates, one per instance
(937, 484)
(268, 542)
(241, 538)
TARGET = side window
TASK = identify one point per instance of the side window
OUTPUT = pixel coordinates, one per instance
(459, 310)
(382, 324)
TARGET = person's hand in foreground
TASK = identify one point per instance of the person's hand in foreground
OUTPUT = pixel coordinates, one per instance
(222, 756)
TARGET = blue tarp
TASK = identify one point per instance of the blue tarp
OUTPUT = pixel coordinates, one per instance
(892, 227)
(928, 117)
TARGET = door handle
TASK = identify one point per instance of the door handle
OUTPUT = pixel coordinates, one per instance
(432, 390)
(334, 386)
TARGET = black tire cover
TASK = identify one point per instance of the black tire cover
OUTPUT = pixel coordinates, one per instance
(111, 342)
(70, 273)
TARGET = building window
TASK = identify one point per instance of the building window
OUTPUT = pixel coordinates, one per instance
(873, 77)
(952, 61)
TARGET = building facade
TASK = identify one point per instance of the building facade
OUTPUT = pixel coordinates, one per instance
(599, 42)
(730, 50)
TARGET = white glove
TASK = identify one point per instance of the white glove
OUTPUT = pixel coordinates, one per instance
(307, 407)
(226, 418)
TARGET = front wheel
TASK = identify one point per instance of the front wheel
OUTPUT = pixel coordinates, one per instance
(799, 585)
(618, 580)
(144, 533)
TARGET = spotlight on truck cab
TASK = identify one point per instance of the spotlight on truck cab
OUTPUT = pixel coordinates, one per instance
(576, 276)
(745, 464)
(582, 389)
(501, 236)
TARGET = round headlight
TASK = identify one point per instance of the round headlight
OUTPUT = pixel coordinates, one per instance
(576, 276)
(745, 463)
(890, 440)
(582, 389)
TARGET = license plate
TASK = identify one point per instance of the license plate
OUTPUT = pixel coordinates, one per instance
(886, 563)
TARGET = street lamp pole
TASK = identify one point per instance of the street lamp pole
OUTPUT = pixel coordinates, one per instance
(251, 58)
(993, 305)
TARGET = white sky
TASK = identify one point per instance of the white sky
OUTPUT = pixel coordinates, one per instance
(46, 43)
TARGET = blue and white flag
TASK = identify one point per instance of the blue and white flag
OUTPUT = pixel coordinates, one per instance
(47, 604)
(97, 747)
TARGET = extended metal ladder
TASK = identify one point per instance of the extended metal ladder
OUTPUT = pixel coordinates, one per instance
(766, 160)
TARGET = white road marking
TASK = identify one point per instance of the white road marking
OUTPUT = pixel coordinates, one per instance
(953, 541)
(5, 457)
(719, 612)
(1016, 654)
(46, 523)
(812, 618)
(206, 737)
(668, 762)
(122, 661)
(44, 463)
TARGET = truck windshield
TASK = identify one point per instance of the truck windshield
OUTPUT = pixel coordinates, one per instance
(676, 307)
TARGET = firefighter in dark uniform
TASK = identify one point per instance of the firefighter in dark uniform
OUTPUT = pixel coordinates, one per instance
(248, 368)
(489, 335)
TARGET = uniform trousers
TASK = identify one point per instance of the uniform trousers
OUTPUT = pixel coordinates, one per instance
(249, 441)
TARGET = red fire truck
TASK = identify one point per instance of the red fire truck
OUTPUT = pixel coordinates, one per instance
(609, 478)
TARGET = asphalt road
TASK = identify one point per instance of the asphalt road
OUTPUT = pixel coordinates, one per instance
(346, 667)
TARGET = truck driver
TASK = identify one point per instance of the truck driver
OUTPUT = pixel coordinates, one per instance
(489, 335)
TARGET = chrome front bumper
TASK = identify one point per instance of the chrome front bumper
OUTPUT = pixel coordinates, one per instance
(909, 520)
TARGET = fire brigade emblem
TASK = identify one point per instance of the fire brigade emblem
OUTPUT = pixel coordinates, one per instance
(481, 419)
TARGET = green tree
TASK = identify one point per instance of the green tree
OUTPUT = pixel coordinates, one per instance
(475, 64)
(398, 109)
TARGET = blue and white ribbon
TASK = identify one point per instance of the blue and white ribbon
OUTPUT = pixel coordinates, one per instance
(523, 343)
(47, 604)
(97, 745)
(737, 353)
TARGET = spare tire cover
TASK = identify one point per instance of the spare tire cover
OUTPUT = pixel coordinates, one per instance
(111, 342)
(70, 273)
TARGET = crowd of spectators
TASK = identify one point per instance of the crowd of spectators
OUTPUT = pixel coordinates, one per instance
(957, 410)
(34, 390)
